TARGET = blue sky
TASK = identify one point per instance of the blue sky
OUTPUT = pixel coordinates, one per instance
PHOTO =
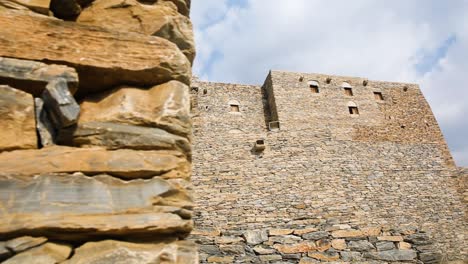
(421, 41)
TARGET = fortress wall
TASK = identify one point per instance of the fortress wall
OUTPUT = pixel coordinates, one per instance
(313, 176)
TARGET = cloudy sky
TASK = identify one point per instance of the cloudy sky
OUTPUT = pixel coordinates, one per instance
(422, 41)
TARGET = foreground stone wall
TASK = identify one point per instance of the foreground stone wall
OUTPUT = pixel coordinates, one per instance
(95, 140)
(319, 169)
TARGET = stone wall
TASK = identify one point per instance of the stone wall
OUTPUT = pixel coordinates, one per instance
(323, 167)
(95, 140)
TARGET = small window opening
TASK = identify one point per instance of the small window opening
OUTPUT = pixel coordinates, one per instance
(348, 91)
(314, 86)
(234, 108)
(405, 88)
(353, 110)
(365, 82)
(378, 96)
(275, 125)
(205, 91)
(329, 80)
(259, 145)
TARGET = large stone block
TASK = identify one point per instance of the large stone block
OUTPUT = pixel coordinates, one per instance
(17, 120)
(158, 19)
(39, 6)
(77, 207)
(60, 103)
(165, 106)
(124, 163)
(49, 253)
(102, 58)
(33, 76)
(183, 6)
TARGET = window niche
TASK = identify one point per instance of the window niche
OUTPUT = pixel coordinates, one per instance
(314, 86)
(348, 89)
(234, 106)
(378, 96)
(353, 108)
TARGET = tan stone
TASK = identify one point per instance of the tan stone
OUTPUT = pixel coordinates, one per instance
(20, 244)
(18, 121)
(183, 6)
(347, 233)
(228, 240)
(219, 259)
(390, 238)
(206, 232)
(302, 247)
(49, 253)
(339, 244)
(324, 256)
(110, 251)
(165, 106)
(323, 245)
(63, 206)
(305, 231)
(39, 6)
(160, 20)
(403, 245)
(124, 163)
(102, 58)
(280, 232)
(371, 231)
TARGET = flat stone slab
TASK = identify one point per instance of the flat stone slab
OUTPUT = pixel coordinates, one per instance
(49, 253)
(124, 163)
(102, 58)
(77, 207)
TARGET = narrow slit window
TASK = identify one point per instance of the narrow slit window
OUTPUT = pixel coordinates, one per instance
(348, 91)
(314, 86)
(235, 108)
(378, 96)
(353, 110)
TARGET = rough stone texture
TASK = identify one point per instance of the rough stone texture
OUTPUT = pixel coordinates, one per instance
(20, 244)
(60, 103)
(158, 19)
(392, 255)
(45, 128)
(164, 106)
(127, 164)
(319, 168)
(49, 253)
(360, 245)
(183, 6)
(255, 237)
(32, 76)
(39, 6)
(17, 123)
(117, 252)
(103, 60)
(54, 206)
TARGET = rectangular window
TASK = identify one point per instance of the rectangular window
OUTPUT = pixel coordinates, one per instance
(353, 110)
(348, 91)
(314, 89)
(378, 96)
(234, 108)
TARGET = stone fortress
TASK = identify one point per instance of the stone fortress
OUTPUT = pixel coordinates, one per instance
(312, 167)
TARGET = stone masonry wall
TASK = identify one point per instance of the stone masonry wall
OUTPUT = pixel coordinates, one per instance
(95, 134)
(319, 169)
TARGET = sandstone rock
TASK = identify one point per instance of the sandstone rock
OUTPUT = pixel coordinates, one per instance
(127, 164)
(324, 256)
(49, 253)
(18, 122)
(65, 9)
(288, 239)
(101, 57)
(24, 243)
(220, 259)
(160, 20)
(280, 232)
(360, 245)
(236, 250)
(339, 244)
(305, 230)
(44, 127)
(371, 231)
(119, 252)
(383, 246)
(392, 255)
(390, 238)
(308, 261)
(404, 245)
(351, 256)
(268, 258)
(4, 252)
(76, 207)
(39, 6)
(255, 237)
(347, 233)
(60, 103)
(10, 4)
(32, 76)
(315, 235)
(323, 245)
(303, 247)
(206, 232)
(228, 240)
(183, 6)
(263, 250)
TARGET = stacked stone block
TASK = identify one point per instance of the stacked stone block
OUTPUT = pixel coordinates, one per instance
(95, 145)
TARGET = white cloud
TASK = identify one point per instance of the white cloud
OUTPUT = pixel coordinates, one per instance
(381, 40)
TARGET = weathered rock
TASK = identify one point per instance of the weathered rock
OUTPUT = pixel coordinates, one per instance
(392, 255)
(118, 136)
(308, 261)
(383, 246)
(280, 232)
(390, 238)
(288, 239)
(24, 243)
(124, 163)
(183, 6)
(404, 245)
(102, 58)
(315, 235)
(159, 19)
(263, 250)
(60, 103)
(323, 245)
(76, 207)
(418, 239)
(302, 247)
(236, 250)
(65, 9)
(165, 106)
(255, 237)
(49, 253)
(33, 76)
(324, 256)
(210, 249)
(305, 231)
(351, 256)
(430, 257)
(18, 122)
(228, 240)
(4, 252)
(110, 251)
(267, 258)
(339, 244)
(347, 233)
(360, 245)
(44, 127)
(39, 6)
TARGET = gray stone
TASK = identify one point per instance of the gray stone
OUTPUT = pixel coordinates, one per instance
(65, 9)
(430, 257)
(60, 103)
(383, 246)
(288, 239)
(316, 235)
(49, 253)
(232, 249)
(264, 250)
(76, 207)
(392, 255)
(351, 256)
(291, 256)
(116, 136)
(23, 243)
(255, 237)
(360, 245)
(418, 239)
(44, 127)
(32, 76)
(210, 249)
